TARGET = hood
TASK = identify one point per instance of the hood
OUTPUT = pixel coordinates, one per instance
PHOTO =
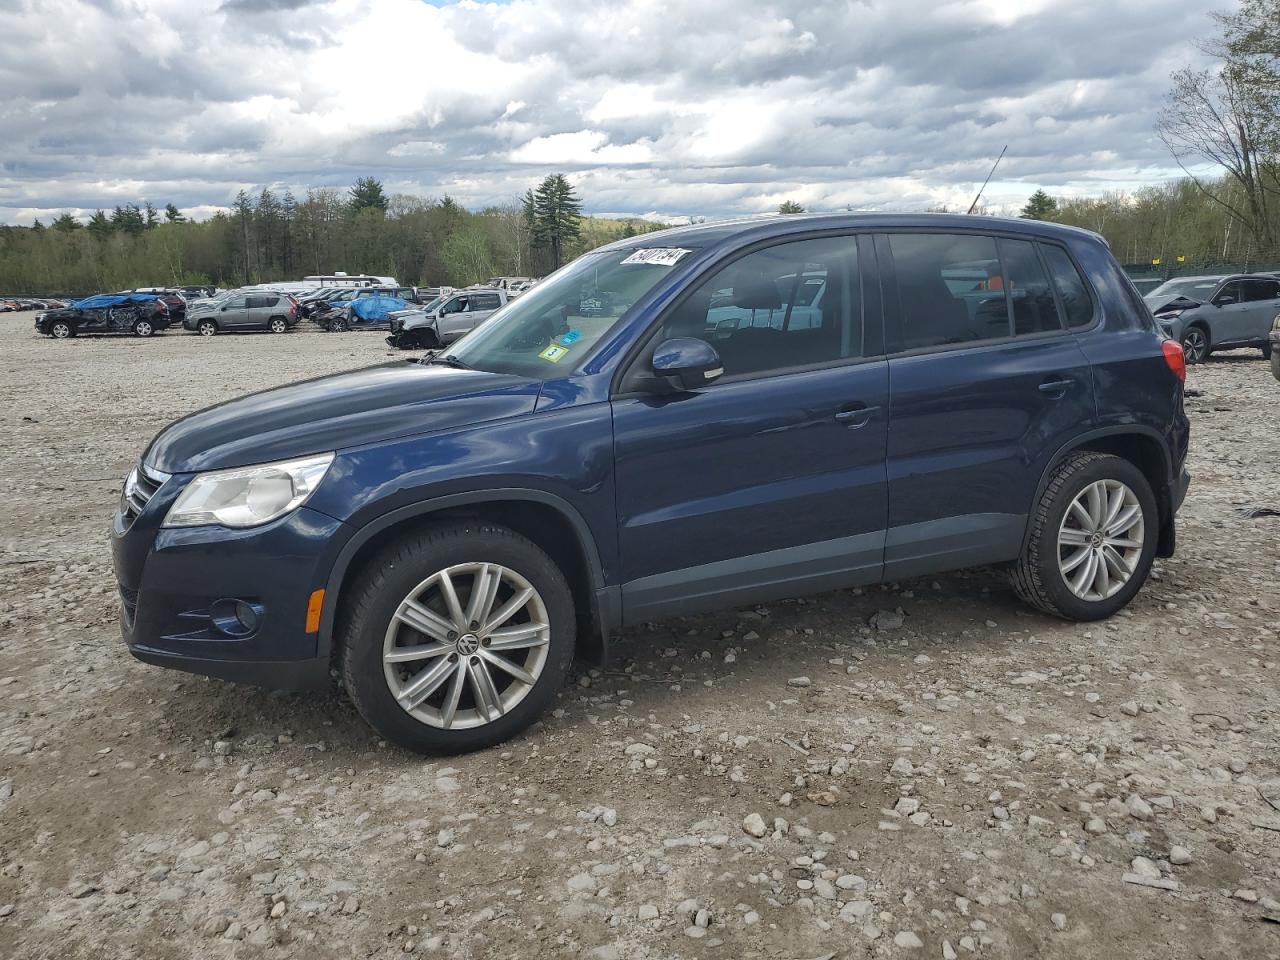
(1160, 304)
(335, 412)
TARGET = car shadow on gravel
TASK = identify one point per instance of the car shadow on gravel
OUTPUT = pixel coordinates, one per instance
(665, 668)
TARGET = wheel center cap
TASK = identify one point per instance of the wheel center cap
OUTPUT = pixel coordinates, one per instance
(1096, 539)
(468, 644)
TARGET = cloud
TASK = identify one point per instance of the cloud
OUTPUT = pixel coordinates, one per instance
(718, 108)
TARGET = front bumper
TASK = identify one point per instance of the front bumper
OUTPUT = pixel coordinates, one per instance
(178, 585)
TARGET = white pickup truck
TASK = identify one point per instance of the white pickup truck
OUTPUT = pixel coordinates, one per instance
(445, 319)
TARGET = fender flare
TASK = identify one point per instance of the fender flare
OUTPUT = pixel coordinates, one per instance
(605, 601)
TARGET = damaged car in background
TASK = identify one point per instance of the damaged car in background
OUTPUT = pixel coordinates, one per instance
(141, 314)
(445, 320)
(363, 313)
(1205, 314)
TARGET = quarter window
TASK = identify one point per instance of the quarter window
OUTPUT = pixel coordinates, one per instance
(791, 305)
(1030, 295)
(1255, 290)
(1072, 292)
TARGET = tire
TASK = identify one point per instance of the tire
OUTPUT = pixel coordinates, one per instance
(337, 326)
(207, 328)
(1038, 576)
(143, 328)
(410, 569)
(1266, 350)
(278, 325)
(61, 330)
(1195, 344)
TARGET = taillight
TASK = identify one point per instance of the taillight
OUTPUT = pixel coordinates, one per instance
(1174, 358)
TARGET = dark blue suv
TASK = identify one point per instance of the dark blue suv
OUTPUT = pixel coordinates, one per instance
(704, 417)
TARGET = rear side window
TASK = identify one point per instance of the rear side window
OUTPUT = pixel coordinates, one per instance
(484, 301)
(1030, 294)
(951, 289)
(1072, 292)
(1255, 290)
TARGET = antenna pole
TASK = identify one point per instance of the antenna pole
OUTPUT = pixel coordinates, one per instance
(973, 205)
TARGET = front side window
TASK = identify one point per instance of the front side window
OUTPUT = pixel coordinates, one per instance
(549, 329)
(791, 305)
(1230, 293)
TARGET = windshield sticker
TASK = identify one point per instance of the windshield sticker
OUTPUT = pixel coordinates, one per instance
(569, 338)
(554, 353)
(657, 256)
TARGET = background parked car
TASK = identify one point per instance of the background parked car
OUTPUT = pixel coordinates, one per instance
(243, 313)
(363, 313)
(142, 314)
(1217, 313)
(446, 319)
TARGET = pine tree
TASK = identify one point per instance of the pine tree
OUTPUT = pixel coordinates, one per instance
(152, 217)
(128, 219)
(66, 223)
(173, 215)
(557, 212)
(37, 226)
(1041, 206)
(790, 206)
(367, 192)
(244, 211)
(99, 226)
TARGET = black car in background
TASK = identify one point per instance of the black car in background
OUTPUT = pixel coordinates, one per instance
(141, 314)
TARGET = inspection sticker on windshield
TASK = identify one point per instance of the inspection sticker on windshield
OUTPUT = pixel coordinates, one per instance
(569, 338)
(553, 353)
(658, 256)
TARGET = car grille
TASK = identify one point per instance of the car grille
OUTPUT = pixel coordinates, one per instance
(139, 487)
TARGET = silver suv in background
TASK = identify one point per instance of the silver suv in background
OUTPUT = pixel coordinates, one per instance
(243, 312)
(1217, 313)
(446, 319)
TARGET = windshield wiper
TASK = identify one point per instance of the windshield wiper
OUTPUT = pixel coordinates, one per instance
(449, 361)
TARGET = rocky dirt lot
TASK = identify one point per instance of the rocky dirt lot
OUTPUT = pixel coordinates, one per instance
(927, 769)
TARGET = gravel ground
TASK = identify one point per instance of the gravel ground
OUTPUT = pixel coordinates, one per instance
(923, 769)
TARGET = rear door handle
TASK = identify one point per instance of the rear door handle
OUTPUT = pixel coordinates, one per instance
(856, 415)
(1056, 388)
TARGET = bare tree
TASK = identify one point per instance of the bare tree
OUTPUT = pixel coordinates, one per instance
(1226, 116)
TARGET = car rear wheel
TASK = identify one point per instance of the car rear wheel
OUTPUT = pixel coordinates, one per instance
(278, 325)
(457, 638)
(1195, 345)
(143, 328)
(337, 326)
(206, 328)
(1092, 540)
(61, 330)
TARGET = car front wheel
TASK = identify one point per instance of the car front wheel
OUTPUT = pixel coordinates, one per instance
(61, 330)
(1195, 345)
(457, 638)
(143, 328)
(1092, 539)
(206, 328)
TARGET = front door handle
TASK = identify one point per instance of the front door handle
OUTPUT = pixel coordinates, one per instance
(856, 415)
(1056, 388)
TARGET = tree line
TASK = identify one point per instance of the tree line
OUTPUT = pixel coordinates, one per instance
(272, 235)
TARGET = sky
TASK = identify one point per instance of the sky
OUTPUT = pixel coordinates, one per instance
(657, 108)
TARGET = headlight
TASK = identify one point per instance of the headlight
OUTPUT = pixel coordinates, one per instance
(1168, 315)
(248, 496)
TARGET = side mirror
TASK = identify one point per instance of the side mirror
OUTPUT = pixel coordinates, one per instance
(1223, 301)
(687, 363)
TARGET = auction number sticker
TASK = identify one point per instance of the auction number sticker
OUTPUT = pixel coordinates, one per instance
(554, 353)
(657, 256)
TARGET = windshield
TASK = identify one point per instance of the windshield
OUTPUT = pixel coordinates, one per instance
(1191, 289)
(553, 326)
(431, 305)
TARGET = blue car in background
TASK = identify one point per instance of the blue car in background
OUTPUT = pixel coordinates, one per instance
(718, 415)
(364, 313)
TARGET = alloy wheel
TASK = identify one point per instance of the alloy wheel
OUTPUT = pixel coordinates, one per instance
(1100, 540)
(466, 645)
(142, 328)
(61, 331)
(1194, 345)
(278, 326)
